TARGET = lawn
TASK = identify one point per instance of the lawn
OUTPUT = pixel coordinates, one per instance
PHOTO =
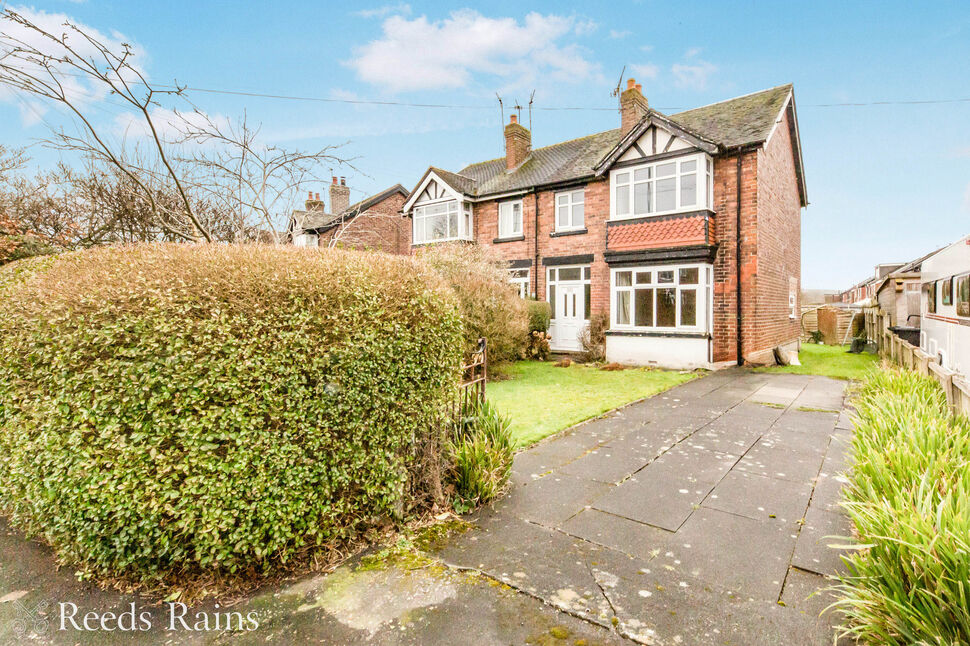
(542, 399)
(829, 361)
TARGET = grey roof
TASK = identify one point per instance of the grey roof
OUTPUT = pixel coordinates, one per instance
(745, 120)
(320, 220)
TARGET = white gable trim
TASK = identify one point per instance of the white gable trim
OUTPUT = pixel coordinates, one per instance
(431, 176)
(655, 140)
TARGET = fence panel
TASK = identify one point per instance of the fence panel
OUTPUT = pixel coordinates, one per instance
(908, 356)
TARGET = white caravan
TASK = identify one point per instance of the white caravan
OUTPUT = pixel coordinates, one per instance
(945, 324)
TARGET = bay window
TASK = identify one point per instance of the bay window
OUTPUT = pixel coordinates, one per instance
(570, 210)
(440, 221)
(510, 219)
(662, 297)
(662, 187)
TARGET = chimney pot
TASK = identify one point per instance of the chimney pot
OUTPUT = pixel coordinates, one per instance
(343, 181)
(639, 88)
(518, 143)
(317, 197)
(310, 196)
(514, 119)
(334, 179)
(630, 83)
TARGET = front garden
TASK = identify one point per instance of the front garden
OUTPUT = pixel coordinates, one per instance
(829, 361)
(541, 398)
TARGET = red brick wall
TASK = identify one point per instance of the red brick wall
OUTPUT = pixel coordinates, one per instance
(725, 267)
(779, 245)
(596, 213)
(381, 227)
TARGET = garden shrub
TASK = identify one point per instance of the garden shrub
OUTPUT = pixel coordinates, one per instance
(909, 498)
(593, 337)
(175, 409)
(482, 450)
(540, 315)
(490, 305)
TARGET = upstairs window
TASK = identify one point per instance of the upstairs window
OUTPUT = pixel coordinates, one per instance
(662, 187)
(436, 222)
(570, 210)
(510, 219)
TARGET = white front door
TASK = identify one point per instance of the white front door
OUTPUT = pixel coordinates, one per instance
(569, 321)
(568, 289)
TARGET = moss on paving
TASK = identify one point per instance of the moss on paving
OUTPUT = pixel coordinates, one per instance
(829, 361)
(541, 399)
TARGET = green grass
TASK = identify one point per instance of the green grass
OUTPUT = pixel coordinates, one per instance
(829, 361)
(542, 399)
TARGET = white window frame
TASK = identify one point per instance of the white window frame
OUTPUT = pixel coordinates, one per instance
(567, 203)
(462, 221)
(506, 215)
(703, 186)
(520, 277)
(585, 279)
(702, 297)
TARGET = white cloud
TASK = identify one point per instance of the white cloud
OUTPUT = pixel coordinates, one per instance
(693, 76)
(400, 8)
(694, 72)
(420, 54)
(78, 89)
(586, 26)
(618, 34)
(644, 71)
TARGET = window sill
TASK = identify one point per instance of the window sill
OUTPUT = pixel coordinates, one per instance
(517, 238)
(669, 332)
(570, 232)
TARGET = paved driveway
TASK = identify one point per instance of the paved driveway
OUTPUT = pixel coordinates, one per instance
(700, 516)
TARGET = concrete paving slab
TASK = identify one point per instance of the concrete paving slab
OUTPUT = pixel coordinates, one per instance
(552, 499)
(777, 462)
(667, 490)
(761, 498)
(606, 464)
(798, 441)
(828, 490)
(776, 394)
(757, 571)
(807, 594)
(729, 440)
(641, 541)
(822, 529)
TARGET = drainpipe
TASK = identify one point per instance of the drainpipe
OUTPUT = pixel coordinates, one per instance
(535, 194)
(737, 259)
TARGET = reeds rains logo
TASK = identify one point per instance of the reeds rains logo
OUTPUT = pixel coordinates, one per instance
(46, 618)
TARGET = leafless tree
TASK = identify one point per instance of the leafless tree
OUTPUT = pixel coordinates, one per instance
(368, 229)
(225, 184)
(41, 70)
(258, 183)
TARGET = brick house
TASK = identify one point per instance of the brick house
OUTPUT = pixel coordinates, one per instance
(640, 225)
(375, 222)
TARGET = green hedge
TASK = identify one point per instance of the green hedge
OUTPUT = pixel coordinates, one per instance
(909, 497)
(168, 409)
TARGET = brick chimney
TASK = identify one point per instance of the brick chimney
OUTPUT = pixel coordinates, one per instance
(339, 195)
(518, 143)
(313, 202)
(633, 106)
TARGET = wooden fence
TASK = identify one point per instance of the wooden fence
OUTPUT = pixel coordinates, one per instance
(907, 355)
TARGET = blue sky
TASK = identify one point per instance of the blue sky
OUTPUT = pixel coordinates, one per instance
(886, 182)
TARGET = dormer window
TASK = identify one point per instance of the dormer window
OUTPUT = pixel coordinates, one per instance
(662, 187)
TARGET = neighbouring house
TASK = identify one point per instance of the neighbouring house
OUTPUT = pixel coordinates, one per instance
(865, 289)
(376, 222)
(684, 229)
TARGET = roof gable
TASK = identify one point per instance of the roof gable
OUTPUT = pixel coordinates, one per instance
(322, 220)
(649, 126)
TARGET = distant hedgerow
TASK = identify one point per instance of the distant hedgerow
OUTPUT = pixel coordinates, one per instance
(169, 409)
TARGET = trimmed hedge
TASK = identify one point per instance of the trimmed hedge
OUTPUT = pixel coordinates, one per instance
(170, 409)
(909, 498)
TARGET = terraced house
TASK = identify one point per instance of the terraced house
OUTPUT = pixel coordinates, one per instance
(683, 229)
